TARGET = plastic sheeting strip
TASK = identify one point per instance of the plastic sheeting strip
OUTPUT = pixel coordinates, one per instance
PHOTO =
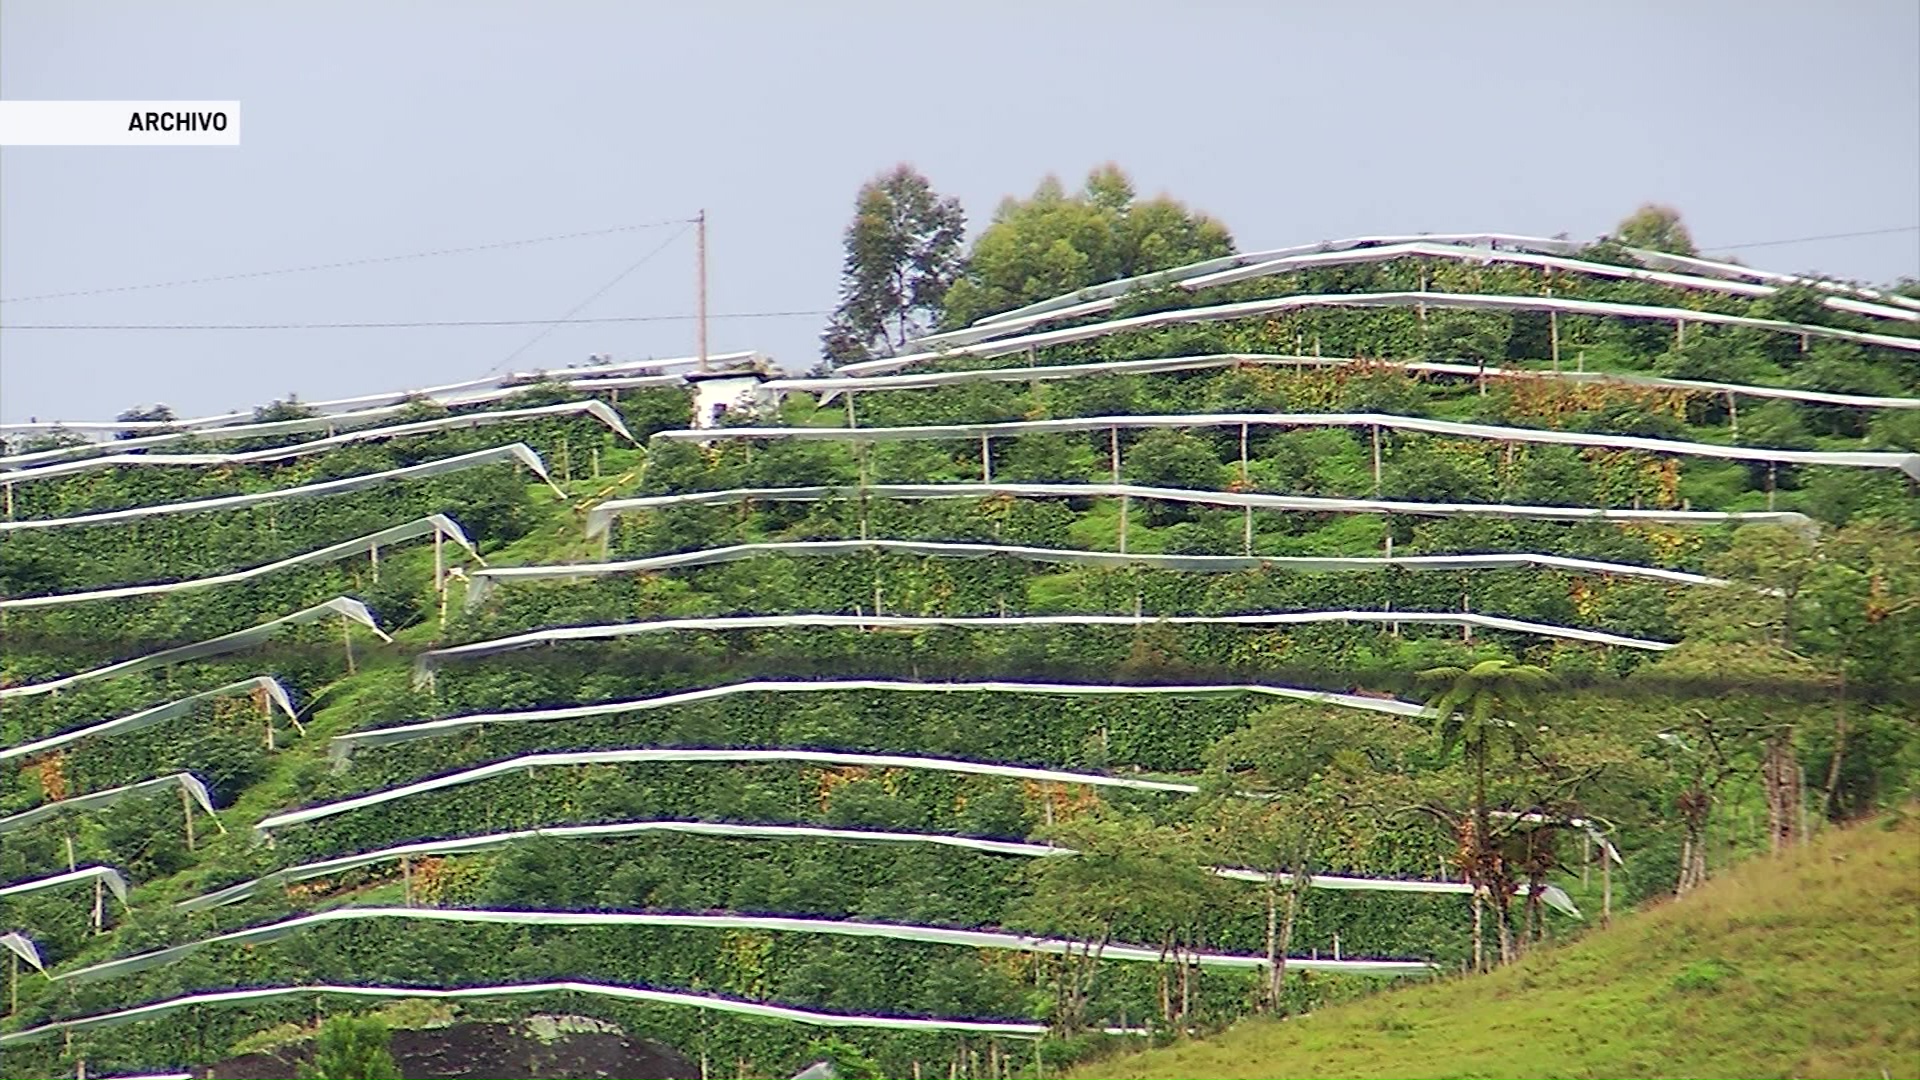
(22, 946)
(598, 410)
(329, 422)
(932, 935)
(107, 876)
(1657, 260)
(506, 385)
(259, 684)
(428, 661)
(1000, 327)
(481, 583)
(641, 995)
(1906, 463)
(432, 524)
(185, 781)
(600, 517)
(343, 747)
(670, 755)
(830, 387)
(342, 606)
(518, 452)
(1467, 301)
(1553, 896)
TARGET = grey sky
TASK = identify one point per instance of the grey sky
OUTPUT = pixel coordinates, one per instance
(374, 129)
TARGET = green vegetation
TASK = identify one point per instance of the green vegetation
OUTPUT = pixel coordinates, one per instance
(1792, 966)
(1787, 704)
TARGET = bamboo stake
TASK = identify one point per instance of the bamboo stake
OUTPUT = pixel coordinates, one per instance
(986, 460)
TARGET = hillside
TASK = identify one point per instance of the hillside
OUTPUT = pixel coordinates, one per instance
(1783, 968)
(967, 710)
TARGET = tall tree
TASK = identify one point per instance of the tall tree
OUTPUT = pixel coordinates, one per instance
(903, 251)
(1054, 243)
(1466, 704)
(1656, 228)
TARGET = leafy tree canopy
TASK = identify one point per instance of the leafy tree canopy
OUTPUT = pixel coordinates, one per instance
(1054, 243)
(351, 1047)
(1657, 228)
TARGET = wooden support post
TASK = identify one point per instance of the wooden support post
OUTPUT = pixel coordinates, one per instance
(1733, 414)
(9, 488)
(1773, 476)
(186, 806)
(1376, 459)
(986, 460)
(1113, 449)
(595, 455)
(1606, 889)
(72, 865)
(1553, 336)
(99, 907)
(851, 421)
(1679, 334)
(373, 559)
(1246, 483)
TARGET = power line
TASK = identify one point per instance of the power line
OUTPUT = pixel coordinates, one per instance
(349, 263)
(1811, 239)
(411, 325)
(596, 294)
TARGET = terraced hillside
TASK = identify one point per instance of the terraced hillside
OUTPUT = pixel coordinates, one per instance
(971, 709)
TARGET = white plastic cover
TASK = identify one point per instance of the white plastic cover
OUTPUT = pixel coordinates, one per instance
(727, 830)
(481, 583)
(651, 756)
(1011, 324)
(609, 376)
(937, 935)
(343, 747)
(601, 516)
(342, 606)
(830, 387)
(275, 693)
(432, 659)
(107, 876)
(1906, 463)
(431, 524)
(595, 409)
(1466, 301)
(1657, 260)
(641, 995)
(21, 946)
(519, 452)
(185, 781)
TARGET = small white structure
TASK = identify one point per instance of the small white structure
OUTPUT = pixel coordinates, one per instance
(738, 386)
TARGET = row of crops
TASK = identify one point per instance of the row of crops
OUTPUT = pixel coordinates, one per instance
(814, 721)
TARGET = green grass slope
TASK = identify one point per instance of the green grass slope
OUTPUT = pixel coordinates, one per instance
(1808, 965)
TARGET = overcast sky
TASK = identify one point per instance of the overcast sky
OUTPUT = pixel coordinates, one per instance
(385, 129)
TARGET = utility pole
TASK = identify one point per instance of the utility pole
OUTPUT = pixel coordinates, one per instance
(701, 274)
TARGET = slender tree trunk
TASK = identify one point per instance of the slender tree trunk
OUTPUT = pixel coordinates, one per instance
(1279, 971)
(1839, 749)
(1274, 969)
(1479, 936)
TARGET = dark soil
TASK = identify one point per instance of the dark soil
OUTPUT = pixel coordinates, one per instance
(493, 1051)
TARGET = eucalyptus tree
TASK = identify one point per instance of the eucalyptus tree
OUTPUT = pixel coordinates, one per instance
(902, 253)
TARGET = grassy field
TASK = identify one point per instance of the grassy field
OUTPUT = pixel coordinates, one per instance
(1807, 965)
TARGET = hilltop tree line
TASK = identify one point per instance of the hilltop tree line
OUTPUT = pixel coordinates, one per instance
(907, 271)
